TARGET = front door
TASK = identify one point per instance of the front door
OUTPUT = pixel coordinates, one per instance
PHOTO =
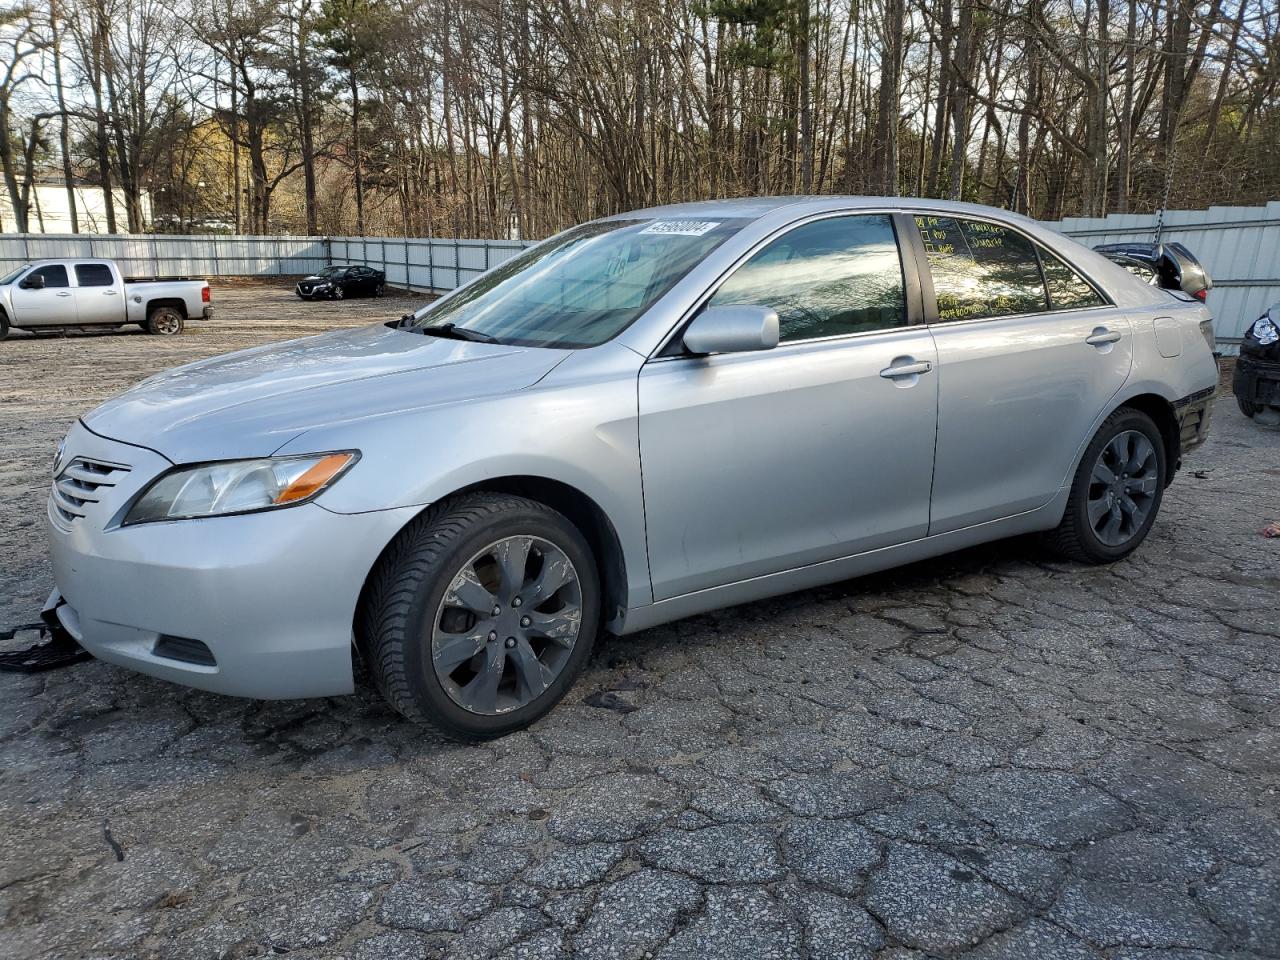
(54, 305)
(754, 463)
(1029, 356)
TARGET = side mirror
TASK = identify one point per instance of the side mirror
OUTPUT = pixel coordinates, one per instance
(732, 329)
(34, 281)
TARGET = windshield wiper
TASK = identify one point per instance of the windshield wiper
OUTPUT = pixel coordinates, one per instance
(451, 331)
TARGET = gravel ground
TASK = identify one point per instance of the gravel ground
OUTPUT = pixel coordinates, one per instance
(993, 755)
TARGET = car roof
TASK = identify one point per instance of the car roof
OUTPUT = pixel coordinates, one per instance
(753, 208)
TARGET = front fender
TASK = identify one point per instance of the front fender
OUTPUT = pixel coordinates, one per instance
(578, 427)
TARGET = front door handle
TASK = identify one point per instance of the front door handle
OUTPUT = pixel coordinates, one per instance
(1101, 335)
(908, 369)
(64, 294)
(108, 293)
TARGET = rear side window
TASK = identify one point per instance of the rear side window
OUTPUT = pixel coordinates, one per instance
(93, 275)
(1067, 289)
(828, 278)
(981, 269)
(55, 275)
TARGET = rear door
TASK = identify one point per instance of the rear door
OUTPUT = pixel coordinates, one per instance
(822, 447)
(54, 305)
(1030, 354)
(98, 295)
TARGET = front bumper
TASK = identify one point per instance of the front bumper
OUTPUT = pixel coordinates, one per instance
(1256, 382)
(268, 598)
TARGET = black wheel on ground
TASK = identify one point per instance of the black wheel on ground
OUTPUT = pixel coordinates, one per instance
(165, 322)
(481, 614)
(380, 289)
(338, 292)
(4, 325)
(1247, 407)
(1116, 493)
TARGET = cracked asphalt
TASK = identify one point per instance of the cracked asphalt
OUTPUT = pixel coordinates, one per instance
(992, 755)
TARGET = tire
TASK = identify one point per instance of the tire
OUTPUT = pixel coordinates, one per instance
(1100, 540)
(1247, 407)
(165, 322)
(417, 631)
(380, 289)
(4, 325)
(339, 293)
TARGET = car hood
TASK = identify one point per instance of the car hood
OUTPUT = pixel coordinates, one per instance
(250, 403)
(313, 278)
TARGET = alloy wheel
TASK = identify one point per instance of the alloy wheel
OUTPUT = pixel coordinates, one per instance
(1122, 487)
(166, 323)
(507, 625)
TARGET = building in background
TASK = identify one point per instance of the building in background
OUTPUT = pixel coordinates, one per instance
(50, 212)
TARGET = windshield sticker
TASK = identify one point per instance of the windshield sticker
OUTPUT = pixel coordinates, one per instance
(681, 228)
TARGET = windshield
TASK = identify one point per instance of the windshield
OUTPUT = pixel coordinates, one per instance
(583, 287)
(10, 277)
(332, 272)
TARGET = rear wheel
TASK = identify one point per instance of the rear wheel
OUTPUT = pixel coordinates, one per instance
(481, 615)
(1247, 407)
(1116, 493)
(165, 322)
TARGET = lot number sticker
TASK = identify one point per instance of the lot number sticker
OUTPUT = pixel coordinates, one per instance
(681, 228)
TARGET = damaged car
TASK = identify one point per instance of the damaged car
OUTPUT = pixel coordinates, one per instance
(643, 418)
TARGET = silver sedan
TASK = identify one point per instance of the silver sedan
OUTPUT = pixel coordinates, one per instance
(642, 418)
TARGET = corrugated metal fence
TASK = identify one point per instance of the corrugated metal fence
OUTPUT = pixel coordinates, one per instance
(1240, 246)
(416, 264)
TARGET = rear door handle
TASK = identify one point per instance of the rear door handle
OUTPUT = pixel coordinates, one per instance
(109, 293)
(906, 370)
(64, 294)
(1102, 335)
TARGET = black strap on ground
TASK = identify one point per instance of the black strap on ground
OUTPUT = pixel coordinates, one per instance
(55, 648)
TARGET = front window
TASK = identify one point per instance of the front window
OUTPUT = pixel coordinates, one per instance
(583, 287)
(829, 278)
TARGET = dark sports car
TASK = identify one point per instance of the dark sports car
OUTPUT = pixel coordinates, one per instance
(341, 281)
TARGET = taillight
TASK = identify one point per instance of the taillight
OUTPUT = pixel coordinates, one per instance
(204, 293)
(1201, 295)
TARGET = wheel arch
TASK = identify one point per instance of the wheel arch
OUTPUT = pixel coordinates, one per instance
(158, 302)
(1162, 414)
(580, 510)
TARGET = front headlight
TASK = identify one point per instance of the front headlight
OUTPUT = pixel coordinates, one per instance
(238, 486)
(1265, 330)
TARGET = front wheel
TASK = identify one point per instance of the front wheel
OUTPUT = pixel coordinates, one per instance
(165, 322)
(481, 615)
(1116, 493)
(4, 325)
(1247, 407)
(380, 289)
(339, 293)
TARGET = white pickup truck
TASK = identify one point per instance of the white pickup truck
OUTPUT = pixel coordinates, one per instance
(92, 293)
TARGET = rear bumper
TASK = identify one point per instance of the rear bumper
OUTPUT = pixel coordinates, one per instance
(1193, 415)
(207, 312)
(259, 605)
(1257, 382)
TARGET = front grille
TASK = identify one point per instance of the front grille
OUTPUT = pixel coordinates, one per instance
(82, 482)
